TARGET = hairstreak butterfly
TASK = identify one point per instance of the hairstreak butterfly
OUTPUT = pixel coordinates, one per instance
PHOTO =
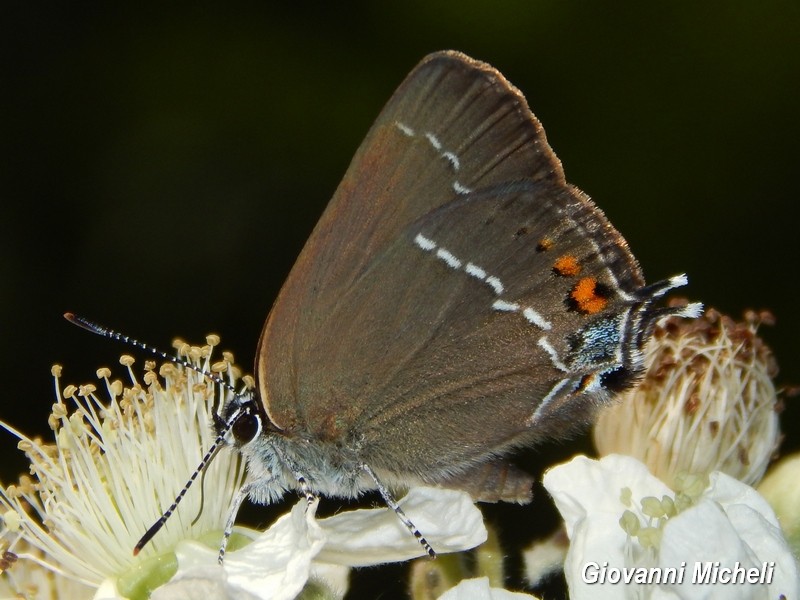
(457, 300)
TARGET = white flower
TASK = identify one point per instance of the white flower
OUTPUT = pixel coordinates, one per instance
(707, 402)
(116, 464)
(279, 562)
(618, 516)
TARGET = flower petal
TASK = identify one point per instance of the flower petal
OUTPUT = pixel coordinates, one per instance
(107, 591)
(275, 565)
(732, 523)
(728, 523)
(479, 589)
(201, 582)
(448, 519)
(545, 558)
(780, 489)
(585, 488)
(588, 494)
(703, 534)
(335, 578)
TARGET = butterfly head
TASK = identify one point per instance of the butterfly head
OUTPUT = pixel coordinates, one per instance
(244, 417)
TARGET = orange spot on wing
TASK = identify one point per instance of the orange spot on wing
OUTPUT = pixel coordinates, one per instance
(567, 266)
(544, 245)
(586, 296)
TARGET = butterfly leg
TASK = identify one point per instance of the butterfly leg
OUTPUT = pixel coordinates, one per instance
(297, 473)
(392, 503)
(243, 493)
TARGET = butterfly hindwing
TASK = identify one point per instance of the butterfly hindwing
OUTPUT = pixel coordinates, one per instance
(445, 233)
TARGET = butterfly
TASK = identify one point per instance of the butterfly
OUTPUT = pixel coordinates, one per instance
(457, 300)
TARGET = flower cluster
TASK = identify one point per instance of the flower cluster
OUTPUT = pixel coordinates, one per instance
(698, 433)
(112, 469)
(624, 522)
(665, 520)
(115, 464)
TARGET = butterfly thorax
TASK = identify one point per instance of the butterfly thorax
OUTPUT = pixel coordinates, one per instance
(281, 460)
(280, 463)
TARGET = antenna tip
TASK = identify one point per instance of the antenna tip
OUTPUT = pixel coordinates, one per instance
(84, 324)
(136, 550)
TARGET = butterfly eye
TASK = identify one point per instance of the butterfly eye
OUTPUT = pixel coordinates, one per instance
(246, 427)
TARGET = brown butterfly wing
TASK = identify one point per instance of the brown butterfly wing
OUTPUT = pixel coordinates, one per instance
(381, 343)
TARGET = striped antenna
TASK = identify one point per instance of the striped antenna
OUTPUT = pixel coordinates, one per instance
(162, 520)
(121, 337)
(223, 427)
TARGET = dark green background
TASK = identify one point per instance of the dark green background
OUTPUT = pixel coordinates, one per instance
(162, 168)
